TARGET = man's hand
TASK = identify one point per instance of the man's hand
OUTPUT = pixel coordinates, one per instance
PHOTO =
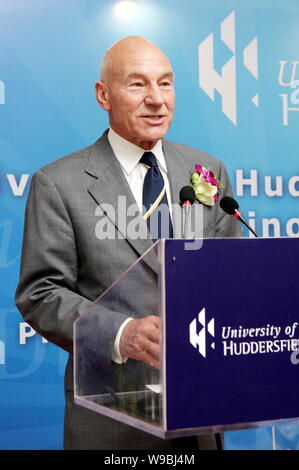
(140, 340)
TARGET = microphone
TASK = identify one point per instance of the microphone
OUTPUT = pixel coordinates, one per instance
(231, 207)
(187, 198)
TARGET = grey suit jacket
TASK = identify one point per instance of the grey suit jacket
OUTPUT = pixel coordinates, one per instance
(65, 267)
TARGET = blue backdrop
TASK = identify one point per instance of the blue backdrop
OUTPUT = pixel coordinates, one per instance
(237, 81)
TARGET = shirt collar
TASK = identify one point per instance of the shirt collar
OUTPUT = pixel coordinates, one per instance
(129, 154)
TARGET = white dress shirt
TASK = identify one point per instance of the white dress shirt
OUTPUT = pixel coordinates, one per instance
(128, 156)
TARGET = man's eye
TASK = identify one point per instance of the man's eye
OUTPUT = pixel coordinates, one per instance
(137, 84)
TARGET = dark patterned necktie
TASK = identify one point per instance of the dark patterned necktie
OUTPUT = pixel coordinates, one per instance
(155, 204)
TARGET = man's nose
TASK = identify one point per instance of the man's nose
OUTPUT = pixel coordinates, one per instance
(154, 96)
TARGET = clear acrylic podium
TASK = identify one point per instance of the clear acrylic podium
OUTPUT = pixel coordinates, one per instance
(229, 339)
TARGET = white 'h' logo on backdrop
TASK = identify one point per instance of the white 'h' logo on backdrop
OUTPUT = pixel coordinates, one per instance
(200, 339)
(226, 83)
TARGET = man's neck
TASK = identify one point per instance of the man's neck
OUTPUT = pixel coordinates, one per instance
(145, 145)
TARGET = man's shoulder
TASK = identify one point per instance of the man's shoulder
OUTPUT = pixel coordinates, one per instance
(191, 155)
(72, 160)
(76, 161)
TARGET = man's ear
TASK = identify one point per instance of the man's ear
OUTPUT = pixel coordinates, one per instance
(102, 95)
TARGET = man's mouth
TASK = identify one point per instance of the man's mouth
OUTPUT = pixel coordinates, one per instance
(154, 117)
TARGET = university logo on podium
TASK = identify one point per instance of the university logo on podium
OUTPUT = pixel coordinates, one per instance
(199, 340)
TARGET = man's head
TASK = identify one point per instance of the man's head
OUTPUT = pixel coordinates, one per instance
(136, 88)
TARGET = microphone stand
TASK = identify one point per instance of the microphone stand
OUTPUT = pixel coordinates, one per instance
(239, 216)
(186, 207)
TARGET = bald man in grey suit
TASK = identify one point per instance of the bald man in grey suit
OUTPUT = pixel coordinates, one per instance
(66, 265)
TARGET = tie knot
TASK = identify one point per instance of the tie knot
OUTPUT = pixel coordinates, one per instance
(149, 159)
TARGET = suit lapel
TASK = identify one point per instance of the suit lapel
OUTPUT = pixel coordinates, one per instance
(179, 176)
(180, 169)
(110, 183)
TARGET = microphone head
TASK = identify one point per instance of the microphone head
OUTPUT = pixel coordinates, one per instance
(187, 193)
(229, 205)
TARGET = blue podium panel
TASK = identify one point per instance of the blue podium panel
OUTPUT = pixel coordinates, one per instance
(231, 332)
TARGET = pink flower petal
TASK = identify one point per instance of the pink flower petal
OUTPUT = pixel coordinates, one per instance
(199, 170)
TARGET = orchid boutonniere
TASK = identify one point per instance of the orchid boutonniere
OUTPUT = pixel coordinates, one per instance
(205, 185)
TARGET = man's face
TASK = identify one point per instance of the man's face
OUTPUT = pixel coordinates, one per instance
(140, 95)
